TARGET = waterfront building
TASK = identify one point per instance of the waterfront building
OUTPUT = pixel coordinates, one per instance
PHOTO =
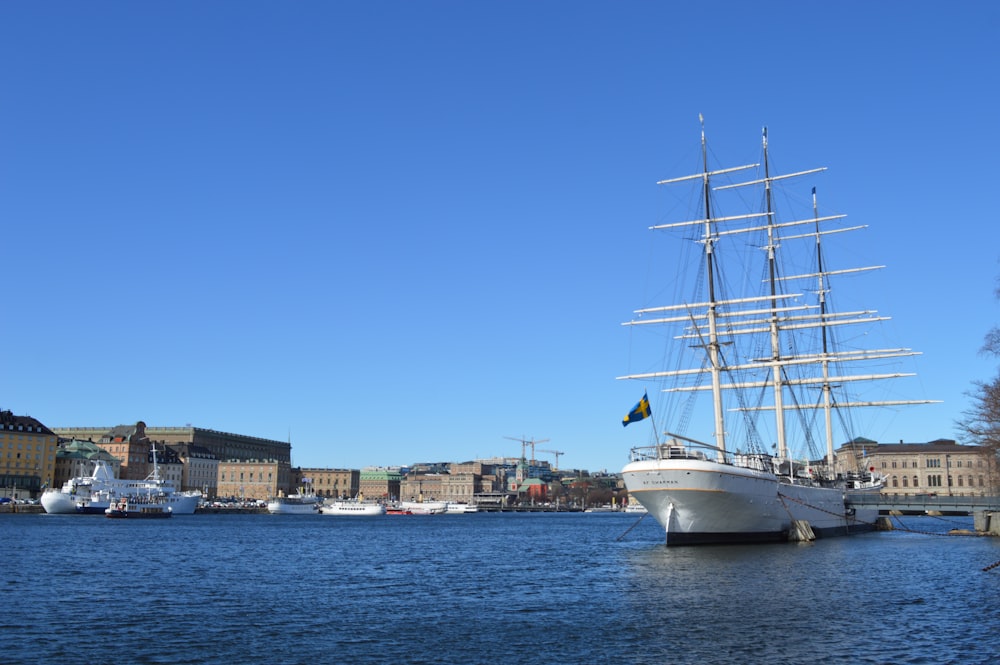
(941, 467)
(75, 458)
(254, 479)
(419, 486)
(199, 468)
(27, 456)
(380, 482)
(327, 483)
(224, 445)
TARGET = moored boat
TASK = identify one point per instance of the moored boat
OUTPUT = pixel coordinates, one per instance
(302, 503)
(95, 493)
(425, 507)
(769, 348)
(459, 508)
(138, 510)
(352, 508)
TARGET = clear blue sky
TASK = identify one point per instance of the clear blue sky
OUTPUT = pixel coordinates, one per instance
(403, 231)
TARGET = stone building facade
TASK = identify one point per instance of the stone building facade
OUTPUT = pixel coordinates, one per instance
(332, 483)
(254, 479)
(380, 483)
(27, 456)
(941, 467)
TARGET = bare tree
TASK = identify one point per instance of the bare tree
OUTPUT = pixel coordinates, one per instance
(980, 424)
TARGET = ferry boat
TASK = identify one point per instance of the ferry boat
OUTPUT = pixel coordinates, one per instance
(769, 347)
(302, 503)
(138, 510)
(352, 508)
(425, 507)
(95, 493)
(457, 508)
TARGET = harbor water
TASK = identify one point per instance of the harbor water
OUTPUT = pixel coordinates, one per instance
(484, 588)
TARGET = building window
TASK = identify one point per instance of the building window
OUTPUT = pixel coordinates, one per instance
(904, 481)
(895, 482)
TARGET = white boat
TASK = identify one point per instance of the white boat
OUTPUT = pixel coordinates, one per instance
(302, 503)
(95, 493)
(634, 506)
(425, 507)
(138, 509)
(63, 500)
(352, 507)
(458, 508)
(754, 351)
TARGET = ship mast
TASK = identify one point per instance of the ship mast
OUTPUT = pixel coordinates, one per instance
(821, 294)
(713, 335)
(777, 370)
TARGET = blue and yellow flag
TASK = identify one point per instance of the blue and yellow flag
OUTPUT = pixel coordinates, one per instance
(638, 412)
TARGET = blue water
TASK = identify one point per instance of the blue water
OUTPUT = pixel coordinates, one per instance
(483, 588)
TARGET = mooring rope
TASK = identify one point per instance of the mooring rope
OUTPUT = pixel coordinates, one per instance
(822, 510)
(618, 539)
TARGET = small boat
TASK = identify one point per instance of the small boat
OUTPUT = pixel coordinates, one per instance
(634, 506)
(352, 508)
(456, 508)
(758, 336)
(395, 510)
(138, 510)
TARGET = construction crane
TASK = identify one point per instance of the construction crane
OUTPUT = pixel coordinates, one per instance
(557, 453)
(528, 442)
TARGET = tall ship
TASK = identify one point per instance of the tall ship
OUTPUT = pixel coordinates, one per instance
(758, 333)
(95, 493)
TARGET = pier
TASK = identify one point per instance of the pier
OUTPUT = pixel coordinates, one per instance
(926, 504)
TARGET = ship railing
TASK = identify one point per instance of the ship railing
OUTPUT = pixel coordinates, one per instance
(677, 447)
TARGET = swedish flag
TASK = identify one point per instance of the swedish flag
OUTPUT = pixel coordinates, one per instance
(638, 412)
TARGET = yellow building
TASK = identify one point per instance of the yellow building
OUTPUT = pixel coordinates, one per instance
(253, 479)
(27, 456)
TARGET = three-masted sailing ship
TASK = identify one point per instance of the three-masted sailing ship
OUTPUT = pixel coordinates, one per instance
(759, 335)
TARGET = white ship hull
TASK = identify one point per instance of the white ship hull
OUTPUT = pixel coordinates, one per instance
(180, 503)
(293, 507)
(425, 507)
(703, 502)
(352, 509)
(57, 502)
